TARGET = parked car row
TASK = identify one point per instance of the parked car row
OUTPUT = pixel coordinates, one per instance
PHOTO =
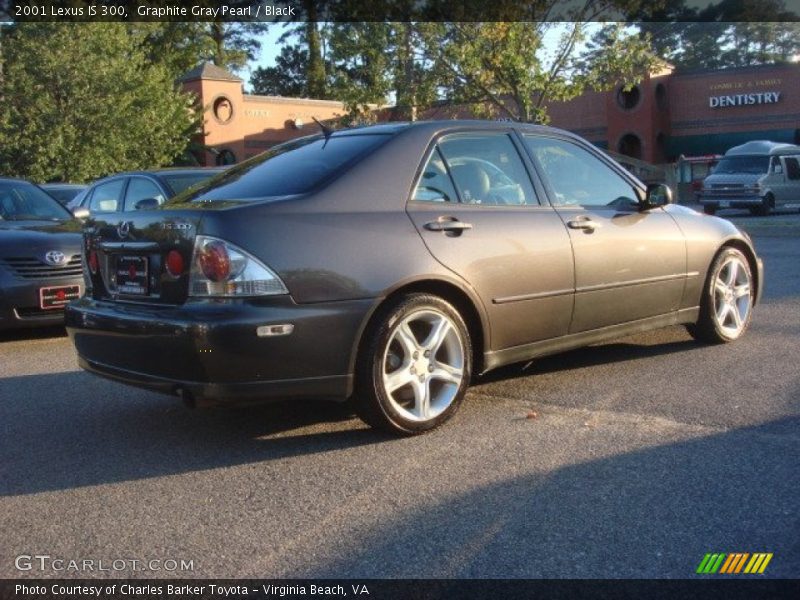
(40, 239)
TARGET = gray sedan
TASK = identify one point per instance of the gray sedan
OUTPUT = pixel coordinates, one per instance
(393, 263)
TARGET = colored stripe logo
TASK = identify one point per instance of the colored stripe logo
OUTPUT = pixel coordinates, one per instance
(734, 563)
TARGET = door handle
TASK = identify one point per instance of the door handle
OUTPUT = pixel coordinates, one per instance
(583, 223)
(447, 225)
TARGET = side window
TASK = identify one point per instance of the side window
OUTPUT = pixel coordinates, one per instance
(579, 178)
(792, 167)
(107, 196)
(487, 169)
(141, 188)
(434, 183)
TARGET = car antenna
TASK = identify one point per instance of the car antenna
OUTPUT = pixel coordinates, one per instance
(326, 131)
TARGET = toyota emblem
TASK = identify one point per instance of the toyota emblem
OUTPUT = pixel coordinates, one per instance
(123, 229)
(55, 258)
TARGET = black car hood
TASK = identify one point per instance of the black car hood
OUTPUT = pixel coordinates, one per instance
(36, 238)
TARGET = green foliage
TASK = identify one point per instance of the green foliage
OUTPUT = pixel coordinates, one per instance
(286, 78)
(732, 33)
(500, 69)
(82, 100)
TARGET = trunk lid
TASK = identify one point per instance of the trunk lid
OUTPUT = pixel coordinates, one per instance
(132, 250)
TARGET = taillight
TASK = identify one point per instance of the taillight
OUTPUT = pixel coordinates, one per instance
(94, 263)
(214, 261)
(221, 269)
(175, 264)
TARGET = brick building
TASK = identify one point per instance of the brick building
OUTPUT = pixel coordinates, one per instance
(668, 114)
(689, 112)
(237, 126)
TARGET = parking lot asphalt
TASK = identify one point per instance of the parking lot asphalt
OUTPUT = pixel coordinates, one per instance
(632, 458)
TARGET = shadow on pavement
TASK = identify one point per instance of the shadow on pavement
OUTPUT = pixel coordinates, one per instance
(651, 513)
(61, 431)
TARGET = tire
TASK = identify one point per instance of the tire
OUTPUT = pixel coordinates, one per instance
(766, 206)
(727, 303)
(414, 367)
(709, 209)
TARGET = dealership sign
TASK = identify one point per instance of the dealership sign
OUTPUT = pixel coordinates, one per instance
(744, 99)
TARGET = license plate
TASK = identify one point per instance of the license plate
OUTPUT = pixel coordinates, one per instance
(724, 204)
(57, 297)
(132, 275)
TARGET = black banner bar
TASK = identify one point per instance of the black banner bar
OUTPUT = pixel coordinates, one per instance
(389, 10)
(705, 588)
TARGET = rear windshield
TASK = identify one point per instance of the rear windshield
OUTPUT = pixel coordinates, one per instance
(183, 181)
(742, 164)
(295, 167)
(20, 201)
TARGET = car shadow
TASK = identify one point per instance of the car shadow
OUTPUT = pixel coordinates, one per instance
(589, 356)
(67, 430)
(33, 333)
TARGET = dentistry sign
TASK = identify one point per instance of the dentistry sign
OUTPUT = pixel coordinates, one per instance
(742, 93)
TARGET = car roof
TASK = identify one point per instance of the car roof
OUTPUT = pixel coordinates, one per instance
(14, 180)
(63, 186)
(168, 171)
(443, 125)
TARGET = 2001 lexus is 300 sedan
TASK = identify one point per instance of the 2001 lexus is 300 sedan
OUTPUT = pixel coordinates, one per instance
(392, 263)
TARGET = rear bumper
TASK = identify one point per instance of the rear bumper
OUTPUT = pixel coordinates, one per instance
(210, 351)
(724, 201)
(19, 302)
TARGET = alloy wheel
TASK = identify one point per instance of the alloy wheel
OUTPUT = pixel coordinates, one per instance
(423, 365)
(732, 296)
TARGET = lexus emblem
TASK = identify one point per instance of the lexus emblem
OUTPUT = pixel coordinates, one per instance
(123, 229)
(55, 258)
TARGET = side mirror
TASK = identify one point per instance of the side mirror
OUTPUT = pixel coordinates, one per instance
(146, 204)
(658, 194)
(80, 213)
(777, 169)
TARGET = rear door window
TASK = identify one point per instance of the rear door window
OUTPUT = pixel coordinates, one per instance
(435, 184)
(141, 188)
(107, 197)
(487, 169)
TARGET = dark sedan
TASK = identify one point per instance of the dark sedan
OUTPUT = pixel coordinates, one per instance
(63, 192)
(392, 263)
(40, 257)
(138, 190)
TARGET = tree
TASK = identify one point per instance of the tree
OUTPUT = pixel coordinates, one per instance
(181, 46)
(81, 101)
(233, 44)
(286, 78)
(307, 62)
(500, 69)
(731, 33)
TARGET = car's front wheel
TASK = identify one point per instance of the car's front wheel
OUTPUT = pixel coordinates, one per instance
(415, 365)
(727, 303)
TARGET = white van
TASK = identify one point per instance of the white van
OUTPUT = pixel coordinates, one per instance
(757, 175)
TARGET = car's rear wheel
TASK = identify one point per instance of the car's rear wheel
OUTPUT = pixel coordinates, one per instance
(415, 365)
(727, 303)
